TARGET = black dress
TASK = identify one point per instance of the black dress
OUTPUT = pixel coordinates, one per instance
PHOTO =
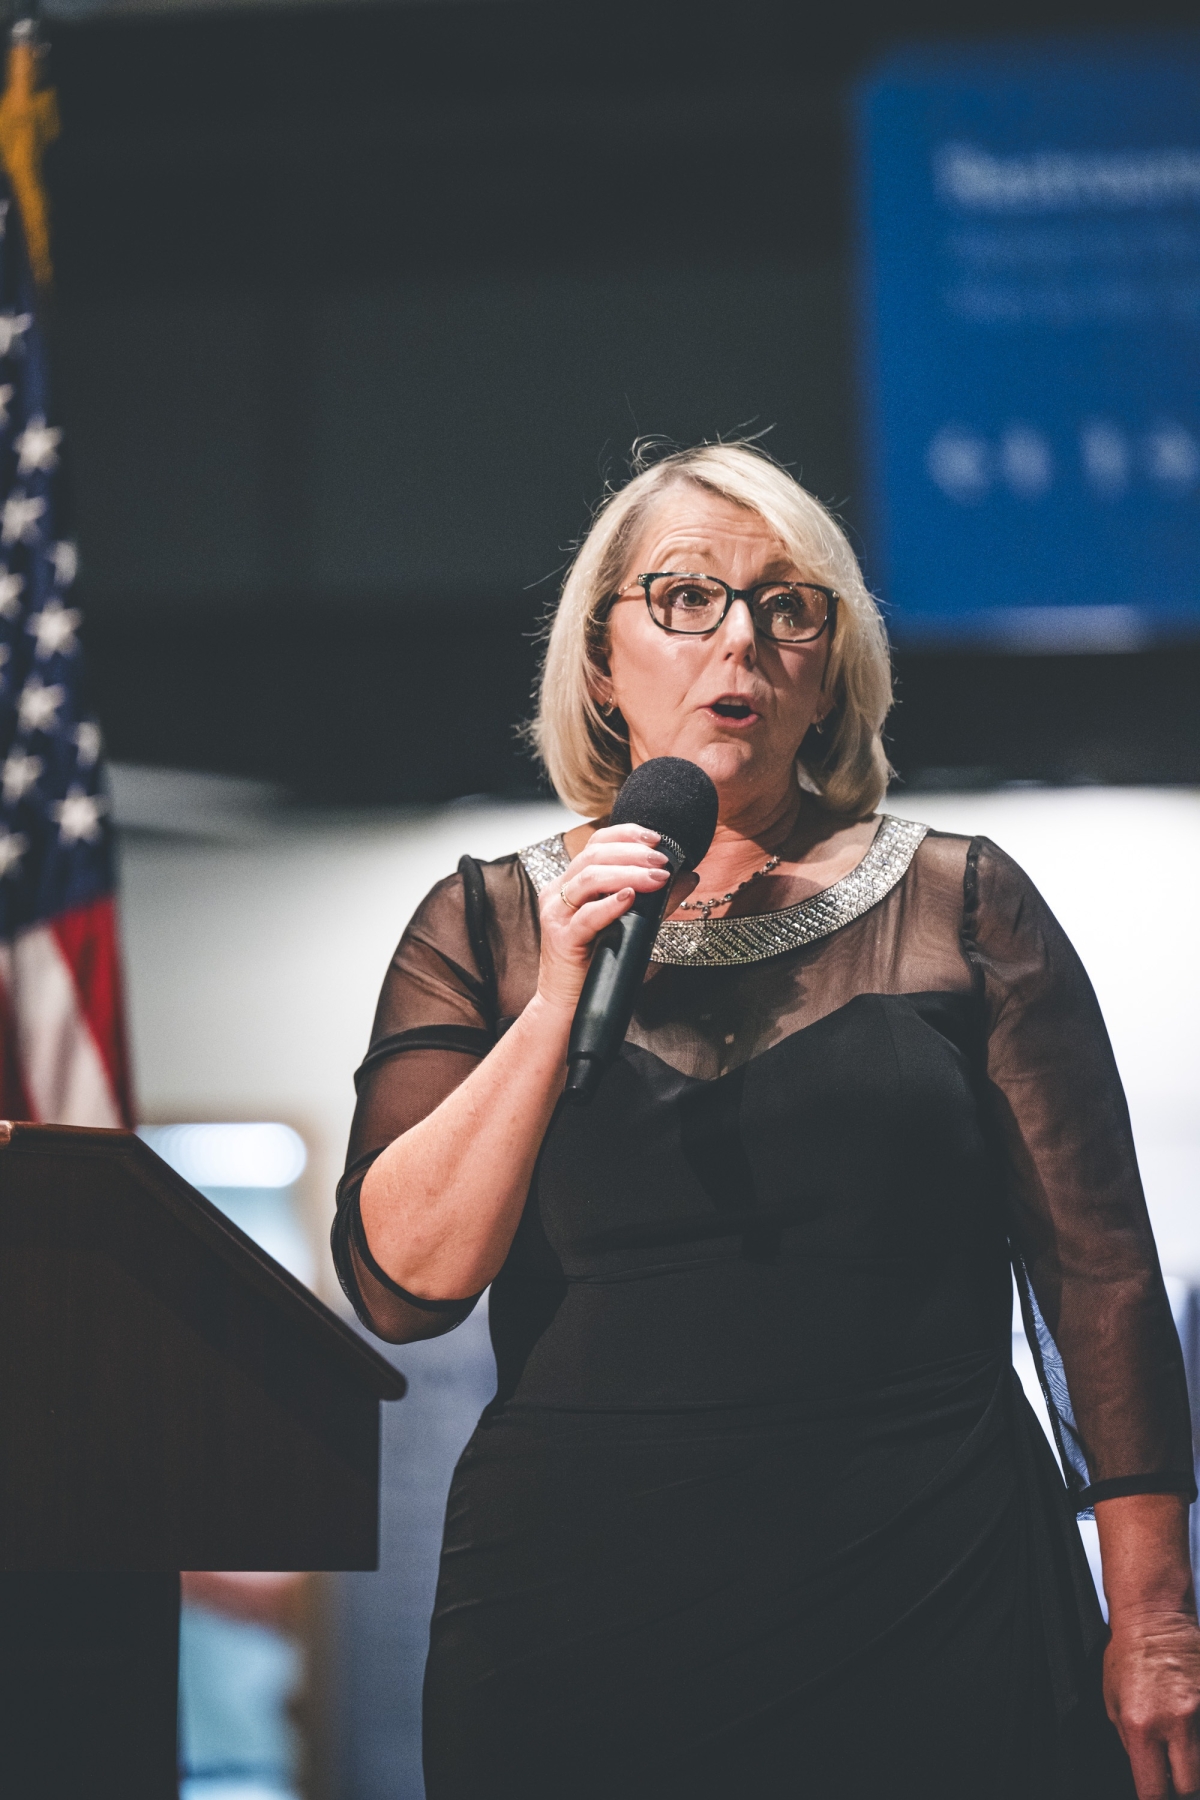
(759, 1508)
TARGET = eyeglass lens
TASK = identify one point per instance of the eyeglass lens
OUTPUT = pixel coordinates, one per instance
(790, 612)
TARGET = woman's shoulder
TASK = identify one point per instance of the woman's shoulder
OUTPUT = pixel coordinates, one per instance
(481, 919)
(507, 887)
(974, 878)
(959, 856)
(498, 887)
(966, 873)
(942, 858)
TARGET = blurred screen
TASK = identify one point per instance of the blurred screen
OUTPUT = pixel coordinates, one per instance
(1030, 286)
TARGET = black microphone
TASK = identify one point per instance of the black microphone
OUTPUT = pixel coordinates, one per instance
(676, 799)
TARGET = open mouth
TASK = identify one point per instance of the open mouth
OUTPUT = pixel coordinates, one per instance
(731, 709)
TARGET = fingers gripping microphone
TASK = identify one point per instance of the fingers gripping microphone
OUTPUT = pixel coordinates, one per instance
(676, 799)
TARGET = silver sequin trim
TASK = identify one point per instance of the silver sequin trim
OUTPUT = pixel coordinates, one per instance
(542, 862)
(717, 943)
(755, 936)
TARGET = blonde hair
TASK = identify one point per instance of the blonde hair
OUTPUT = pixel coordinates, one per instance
(586, 752)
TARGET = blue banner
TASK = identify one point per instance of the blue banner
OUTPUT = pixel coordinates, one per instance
(1030, 286)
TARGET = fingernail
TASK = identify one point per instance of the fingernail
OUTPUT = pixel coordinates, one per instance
(650, 837)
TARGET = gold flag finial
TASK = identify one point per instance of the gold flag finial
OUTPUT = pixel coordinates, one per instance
(28, 123)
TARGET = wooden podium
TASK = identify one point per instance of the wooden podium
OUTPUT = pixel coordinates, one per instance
(170, 1399)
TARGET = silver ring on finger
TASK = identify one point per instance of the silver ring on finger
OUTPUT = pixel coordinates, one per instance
(566, 899)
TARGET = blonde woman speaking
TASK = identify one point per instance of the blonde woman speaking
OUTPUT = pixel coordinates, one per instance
(759, 1508)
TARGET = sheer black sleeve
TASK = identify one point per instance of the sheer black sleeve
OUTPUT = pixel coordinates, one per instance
(1095, 1306)
(435, 1019)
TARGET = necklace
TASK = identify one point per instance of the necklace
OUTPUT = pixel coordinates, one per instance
(706, 907)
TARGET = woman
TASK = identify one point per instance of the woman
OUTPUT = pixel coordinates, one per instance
(759, 1507)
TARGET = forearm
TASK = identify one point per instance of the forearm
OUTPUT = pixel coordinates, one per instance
(441, 1204)
(1144, 1553)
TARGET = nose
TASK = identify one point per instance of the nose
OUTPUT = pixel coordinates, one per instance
(737, 636)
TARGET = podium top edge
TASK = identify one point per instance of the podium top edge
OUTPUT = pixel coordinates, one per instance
(207, 1221)
(25, 1128)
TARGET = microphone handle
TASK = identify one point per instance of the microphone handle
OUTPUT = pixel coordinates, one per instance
(618, 967)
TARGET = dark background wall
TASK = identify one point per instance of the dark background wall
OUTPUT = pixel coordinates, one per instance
(359, 308)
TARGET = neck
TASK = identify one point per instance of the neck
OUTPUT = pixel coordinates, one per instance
(749, 834)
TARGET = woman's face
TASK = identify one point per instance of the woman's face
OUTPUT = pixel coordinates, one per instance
(736, 703)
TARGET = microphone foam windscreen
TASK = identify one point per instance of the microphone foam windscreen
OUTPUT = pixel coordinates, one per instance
(673, 797)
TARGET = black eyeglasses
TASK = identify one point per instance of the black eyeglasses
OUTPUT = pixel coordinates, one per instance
(788, 612)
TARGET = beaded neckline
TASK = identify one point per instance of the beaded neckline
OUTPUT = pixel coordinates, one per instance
(752, 937)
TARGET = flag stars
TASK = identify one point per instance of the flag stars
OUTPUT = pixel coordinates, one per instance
(19, 521)
(13, 845)
(6, 393)
(37, 447)
(37, 709)
(13, 326)
(65, 558)
(88, 743)
(54, 628)
(11, 589)
(20, 773)
(79, 816)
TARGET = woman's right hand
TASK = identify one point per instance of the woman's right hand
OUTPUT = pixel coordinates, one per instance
(617, 863)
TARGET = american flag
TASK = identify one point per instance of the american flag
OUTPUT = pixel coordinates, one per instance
(62, 1039)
